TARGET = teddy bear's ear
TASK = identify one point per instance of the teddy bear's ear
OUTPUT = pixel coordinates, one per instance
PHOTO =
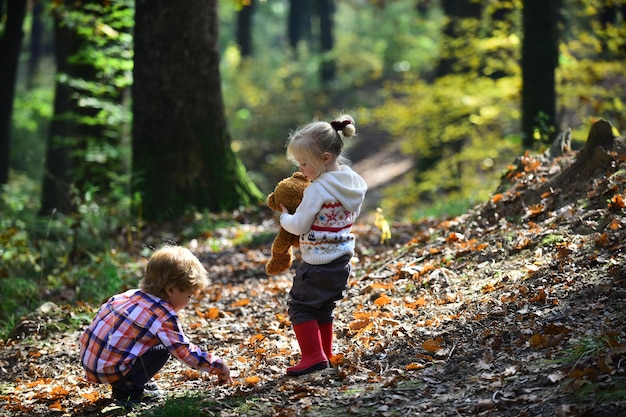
(298, 175)
(271, 203)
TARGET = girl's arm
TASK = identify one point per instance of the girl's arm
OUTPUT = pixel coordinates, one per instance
(300, 222)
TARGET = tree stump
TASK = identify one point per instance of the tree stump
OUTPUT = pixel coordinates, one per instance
(596, 154)
(545, 183)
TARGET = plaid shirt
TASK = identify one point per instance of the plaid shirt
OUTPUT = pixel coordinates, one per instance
(128, 325)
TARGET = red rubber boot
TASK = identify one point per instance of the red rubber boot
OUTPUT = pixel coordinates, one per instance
(326, 332)
(313, 358)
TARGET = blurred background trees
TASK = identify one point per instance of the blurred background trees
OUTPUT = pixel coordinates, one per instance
(463, 85)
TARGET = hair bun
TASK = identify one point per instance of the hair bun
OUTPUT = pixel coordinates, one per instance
(345, 126)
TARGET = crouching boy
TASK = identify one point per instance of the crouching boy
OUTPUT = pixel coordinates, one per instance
(135, 332)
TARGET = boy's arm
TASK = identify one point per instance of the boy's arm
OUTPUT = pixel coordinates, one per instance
(175, 340)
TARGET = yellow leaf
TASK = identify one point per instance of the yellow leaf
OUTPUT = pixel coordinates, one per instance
(431, 345)
(241, 303)
(382, 285)
(256, 338)
(213, 313)
(420, 302)
(358, 324)
(381, 223)
(382, 300)
(252, 380)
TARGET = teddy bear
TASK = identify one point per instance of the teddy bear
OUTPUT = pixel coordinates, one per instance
(288, 192)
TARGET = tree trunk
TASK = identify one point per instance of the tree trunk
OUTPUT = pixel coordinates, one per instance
(244, 28)
(10, 45)
(325, 9)
(299, 22)
(539, 60)
(60, 164)
(36, 34)
(182, 155)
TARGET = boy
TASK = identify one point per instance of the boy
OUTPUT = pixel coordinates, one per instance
(135, 332)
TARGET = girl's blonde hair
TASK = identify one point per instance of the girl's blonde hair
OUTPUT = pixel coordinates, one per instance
(309, 142)
(173, 266)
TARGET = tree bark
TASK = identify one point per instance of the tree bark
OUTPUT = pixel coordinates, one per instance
(10, 45)
(539, 60)
(244, 29)
(325, 10)
(36, 34)
(182, 155)
(60, 164)
(299, 22)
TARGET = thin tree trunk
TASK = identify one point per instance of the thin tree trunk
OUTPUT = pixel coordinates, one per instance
(36, 34)
(245, 19)
(10, 45)
(299, 22)
(59, 167)
(325, 10)
(539, 61)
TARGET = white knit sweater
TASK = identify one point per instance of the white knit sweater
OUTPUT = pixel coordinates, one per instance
(324, 219)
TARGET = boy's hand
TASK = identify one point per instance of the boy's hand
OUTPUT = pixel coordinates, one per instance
(223, 374)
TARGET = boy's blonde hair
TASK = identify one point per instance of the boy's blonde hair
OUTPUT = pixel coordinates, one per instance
(173, 266)
(313, 139)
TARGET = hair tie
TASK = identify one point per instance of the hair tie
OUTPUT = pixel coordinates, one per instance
(340, 125)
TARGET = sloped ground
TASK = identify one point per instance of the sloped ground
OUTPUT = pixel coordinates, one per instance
(516, 308)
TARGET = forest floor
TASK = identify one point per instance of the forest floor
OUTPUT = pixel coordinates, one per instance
(516, 308)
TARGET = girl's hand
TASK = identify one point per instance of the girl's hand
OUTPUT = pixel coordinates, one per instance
(284, 209)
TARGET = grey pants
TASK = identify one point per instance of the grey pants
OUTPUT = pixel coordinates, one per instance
(315, 290)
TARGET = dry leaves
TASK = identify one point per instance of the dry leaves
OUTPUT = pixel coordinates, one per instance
(508, 310)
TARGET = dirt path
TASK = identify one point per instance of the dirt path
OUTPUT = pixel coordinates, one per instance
(384, 168)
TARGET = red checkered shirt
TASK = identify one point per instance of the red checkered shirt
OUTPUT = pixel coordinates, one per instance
(128, 325)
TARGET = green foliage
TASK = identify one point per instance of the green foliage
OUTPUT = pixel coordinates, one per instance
(32, 109)
(550, 240)
(18, 296)
(101, 72)
(463, 129)
(59, 256)
(462, 133)
(273, 93)
(587, 89)
(197, 404)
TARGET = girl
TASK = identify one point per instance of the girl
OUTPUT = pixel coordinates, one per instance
(323, 220)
